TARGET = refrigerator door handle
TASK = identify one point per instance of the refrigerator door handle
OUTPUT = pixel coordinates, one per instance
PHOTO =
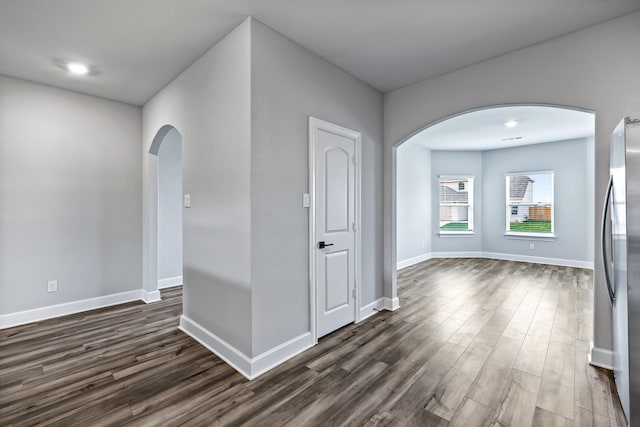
(603, 240)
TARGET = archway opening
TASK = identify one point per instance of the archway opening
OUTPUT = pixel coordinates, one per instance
(166, 243)
(457, 192)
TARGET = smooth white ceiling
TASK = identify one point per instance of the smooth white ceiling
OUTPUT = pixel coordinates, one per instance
(140, 45)
(485, 129)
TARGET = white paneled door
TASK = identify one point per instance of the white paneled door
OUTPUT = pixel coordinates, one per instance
(334, 252)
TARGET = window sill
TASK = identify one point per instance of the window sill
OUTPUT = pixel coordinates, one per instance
(531, 236)
(456, 234)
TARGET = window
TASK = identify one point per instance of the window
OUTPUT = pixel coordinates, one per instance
(456, 205)
(530, 203)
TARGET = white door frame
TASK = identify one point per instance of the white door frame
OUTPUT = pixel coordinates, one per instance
(315, 125)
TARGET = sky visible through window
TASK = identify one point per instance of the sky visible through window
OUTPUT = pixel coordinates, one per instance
(541, 188)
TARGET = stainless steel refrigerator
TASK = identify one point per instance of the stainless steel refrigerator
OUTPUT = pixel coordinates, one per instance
(621, 257)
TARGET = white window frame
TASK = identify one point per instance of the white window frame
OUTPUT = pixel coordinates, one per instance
(470, 205)
(529, 234)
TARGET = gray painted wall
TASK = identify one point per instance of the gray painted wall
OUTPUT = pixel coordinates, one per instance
(209, 104)
(242, 110)
(568, 160)
(596, 68)
(289, 84)
(414, 201)
(170, 206)
(457, 163)
(70, 196)
(590, 182)
(573, 194)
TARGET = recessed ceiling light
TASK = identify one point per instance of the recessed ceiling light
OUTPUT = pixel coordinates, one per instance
(511, 124)
(77, 68)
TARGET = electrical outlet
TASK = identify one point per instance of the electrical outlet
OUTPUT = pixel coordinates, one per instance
(52, 286)
(532, 246)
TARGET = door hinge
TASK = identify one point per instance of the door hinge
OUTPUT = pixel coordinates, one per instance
(353, 292)
(353, 226)
(355, 161)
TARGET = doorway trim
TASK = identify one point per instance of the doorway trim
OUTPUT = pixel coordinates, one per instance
(316, 124)
(150, 289)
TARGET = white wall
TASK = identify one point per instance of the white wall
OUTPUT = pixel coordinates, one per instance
(414, 202)
(462, 163)
(288, 85)
(596, 68)
(572, 191)
(209, 104)
(170, 206)
(70, 196)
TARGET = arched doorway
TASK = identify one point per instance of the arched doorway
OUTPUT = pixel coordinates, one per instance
(165, 213)
(493, 121)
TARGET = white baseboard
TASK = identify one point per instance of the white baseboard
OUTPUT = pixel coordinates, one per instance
(225, 351)
(280, 354)
(601, 357)
(169, 282)
(371, 309)
(150, 296)
(473, 254)
(43, 313)
(430, 255)
(250, 368)
(391, 304)
(495, 255)
(540, 260)
(411, 261)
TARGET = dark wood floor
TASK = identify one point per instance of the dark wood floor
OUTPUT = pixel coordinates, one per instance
(476, 343)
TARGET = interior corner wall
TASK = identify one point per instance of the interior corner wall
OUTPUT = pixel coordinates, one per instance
(70, 191)
(573, 198)
(414, 184)
(288, 85)
(574, 231)
(595, 68)
(463, 163)
(209, 104)
(170, 206)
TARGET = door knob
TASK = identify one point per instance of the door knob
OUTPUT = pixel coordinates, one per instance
(322, 244)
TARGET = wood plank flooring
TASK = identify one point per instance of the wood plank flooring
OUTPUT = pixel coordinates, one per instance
(476, 343)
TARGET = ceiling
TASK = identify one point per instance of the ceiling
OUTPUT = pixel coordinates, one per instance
(485, 129)
(138, 46)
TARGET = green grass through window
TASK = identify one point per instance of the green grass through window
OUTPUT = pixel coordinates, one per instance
(456, 226)
(531, 226)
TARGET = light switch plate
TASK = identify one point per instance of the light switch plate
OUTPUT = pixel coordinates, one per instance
(52, 286)
(306, 200)
(187, 200)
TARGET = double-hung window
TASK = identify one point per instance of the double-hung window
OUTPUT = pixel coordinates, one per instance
(530, 203)
(456, 204)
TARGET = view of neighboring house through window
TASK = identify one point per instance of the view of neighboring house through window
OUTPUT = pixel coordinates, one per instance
(530, 203)
(456, 204)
